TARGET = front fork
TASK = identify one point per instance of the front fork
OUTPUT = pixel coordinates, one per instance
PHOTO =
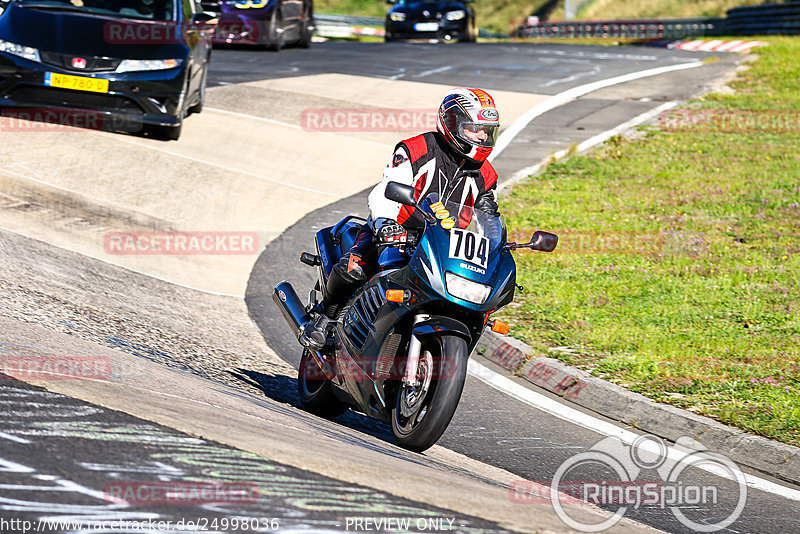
(414, 350)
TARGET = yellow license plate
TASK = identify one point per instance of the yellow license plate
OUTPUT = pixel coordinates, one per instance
(78, 83)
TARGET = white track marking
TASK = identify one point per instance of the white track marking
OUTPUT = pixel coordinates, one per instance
(746, 46)
(710, 45)
(12, 437)
(253, 117)
(226, 168)
(290, 125)
(727, 46)
(588, 143)
(576, 417)
(127, 268)
(562, 98)
(433, 71)
(691, 45)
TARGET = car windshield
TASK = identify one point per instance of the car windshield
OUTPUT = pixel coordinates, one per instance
(466, 218)
(158, 10)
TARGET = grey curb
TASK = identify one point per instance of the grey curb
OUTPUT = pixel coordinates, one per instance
(770, 457)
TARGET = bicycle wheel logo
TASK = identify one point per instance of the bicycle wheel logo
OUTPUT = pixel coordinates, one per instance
(686, 478)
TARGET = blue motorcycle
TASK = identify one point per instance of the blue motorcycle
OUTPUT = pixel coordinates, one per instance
(400, 345)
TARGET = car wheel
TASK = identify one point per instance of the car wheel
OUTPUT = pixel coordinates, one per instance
(275, 42)
(306, 29)
(470, 33)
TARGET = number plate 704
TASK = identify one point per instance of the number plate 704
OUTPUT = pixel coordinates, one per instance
(469, 246)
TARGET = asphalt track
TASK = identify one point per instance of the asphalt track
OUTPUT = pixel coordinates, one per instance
(248, 164)
(488, 426)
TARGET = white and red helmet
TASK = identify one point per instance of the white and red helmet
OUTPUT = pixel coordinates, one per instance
(464, 111)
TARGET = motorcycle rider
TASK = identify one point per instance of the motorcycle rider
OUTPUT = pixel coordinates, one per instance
(450, 161)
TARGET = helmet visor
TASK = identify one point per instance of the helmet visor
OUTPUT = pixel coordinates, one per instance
(479, 134)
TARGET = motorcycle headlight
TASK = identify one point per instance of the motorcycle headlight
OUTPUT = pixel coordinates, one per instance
(27, 52)
(140, 65)
(466, 289)
(398, 17)
(456, 15)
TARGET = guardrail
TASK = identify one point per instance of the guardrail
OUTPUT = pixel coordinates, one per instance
(349, 20)
(347, 26)
(621, 29)
(765, 19)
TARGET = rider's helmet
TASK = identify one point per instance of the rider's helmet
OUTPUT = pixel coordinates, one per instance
(469, 121)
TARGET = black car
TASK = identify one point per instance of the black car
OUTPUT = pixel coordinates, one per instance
(414, 19)
(268, 23)
(141, 62)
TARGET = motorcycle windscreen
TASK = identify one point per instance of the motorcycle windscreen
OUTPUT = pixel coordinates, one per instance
(462, 256)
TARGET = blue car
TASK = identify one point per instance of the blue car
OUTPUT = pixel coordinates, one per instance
(142, 62)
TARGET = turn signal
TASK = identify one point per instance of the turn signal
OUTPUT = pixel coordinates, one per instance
(500, 327)
(395, 295)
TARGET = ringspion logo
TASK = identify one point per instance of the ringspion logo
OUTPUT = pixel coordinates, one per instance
(615, 474)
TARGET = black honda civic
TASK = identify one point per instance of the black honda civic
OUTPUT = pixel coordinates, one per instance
(142, 62)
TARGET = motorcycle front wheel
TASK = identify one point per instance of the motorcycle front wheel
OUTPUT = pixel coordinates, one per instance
(421, 414)
(316, 391)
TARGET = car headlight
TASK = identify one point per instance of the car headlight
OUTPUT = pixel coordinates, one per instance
(27, 52)
(398, 17)
(456, 15)
(133, 65)
(466, 289)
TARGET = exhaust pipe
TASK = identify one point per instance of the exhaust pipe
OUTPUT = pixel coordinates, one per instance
(290, 305)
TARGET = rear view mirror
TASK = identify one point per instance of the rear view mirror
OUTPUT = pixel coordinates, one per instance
(541, 241)
(404, 194)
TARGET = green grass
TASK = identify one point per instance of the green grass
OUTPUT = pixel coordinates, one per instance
(627, 9)
(498, 15)
(678, 270)
(493, 15)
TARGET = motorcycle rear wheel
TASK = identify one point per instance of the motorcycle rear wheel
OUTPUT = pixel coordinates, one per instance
(316, 391)
(431, 413)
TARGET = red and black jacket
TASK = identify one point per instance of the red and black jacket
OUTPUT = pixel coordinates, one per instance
(439, 169)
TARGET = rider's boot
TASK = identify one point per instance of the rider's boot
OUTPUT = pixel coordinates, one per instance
(345, 277)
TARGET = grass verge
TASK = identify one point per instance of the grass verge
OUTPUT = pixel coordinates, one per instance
(493, 15)
(678, 271)
(643, 9)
